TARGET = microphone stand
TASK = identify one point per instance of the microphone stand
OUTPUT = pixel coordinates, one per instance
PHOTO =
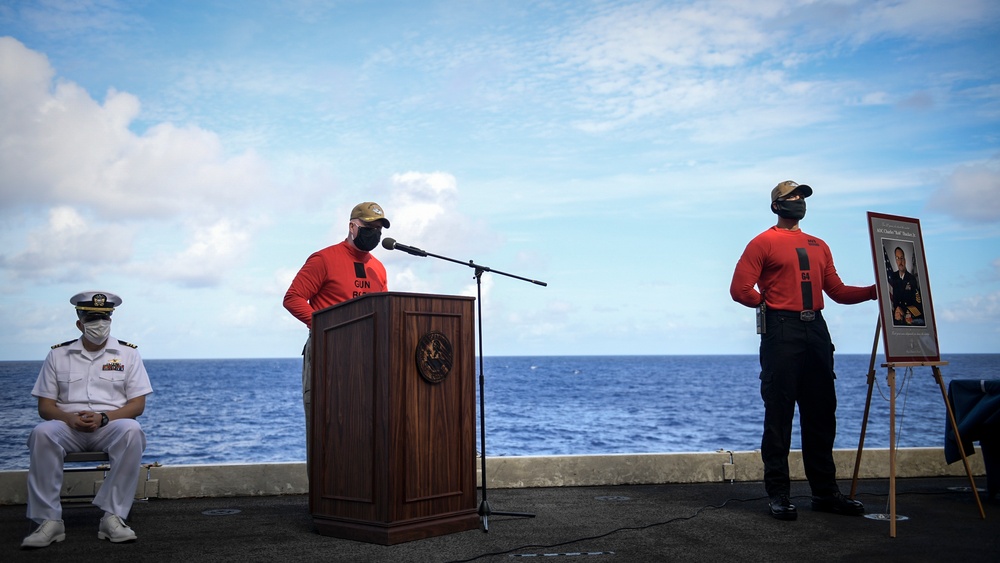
(485, 511)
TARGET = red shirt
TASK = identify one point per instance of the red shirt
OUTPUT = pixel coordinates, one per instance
(793, 269)
(333, 275)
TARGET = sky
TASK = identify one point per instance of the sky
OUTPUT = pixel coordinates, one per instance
(190, 155)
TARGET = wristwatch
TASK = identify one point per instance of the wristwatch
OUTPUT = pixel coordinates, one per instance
(104, 419)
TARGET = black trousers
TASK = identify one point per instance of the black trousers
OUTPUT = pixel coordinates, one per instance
(796, 362)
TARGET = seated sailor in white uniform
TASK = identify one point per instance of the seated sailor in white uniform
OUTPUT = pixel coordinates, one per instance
(90, 392)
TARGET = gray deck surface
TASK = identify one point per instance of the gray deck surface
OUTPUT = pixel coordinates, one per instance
(609, 524)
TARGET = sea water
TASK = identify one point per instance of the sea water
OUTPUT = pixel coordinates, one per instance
(250, 410)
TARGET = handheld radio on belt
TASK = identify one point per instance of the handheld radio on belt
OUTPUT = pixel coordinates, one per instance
(761, 311)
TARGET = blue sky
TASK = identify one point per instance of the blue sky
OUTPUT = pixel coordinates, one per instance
(189, 156)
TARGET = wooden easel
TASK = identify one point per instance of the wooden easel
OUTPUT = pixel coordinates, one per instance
(891, 383)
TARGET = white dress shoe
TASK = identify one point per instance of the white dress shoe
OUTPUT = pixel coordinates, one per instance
(114, 530)
(50, 531)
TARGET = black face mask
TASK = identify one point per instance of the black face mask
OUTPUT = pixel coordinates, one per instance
(790, 209)
(367, 238)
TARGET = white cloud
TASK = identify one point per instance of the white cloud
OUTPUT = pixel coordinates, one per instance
(921, 18)
(64, 151)
(280, 281)
(975, 309)
(211, 254)
(69, 248)
(553, 318)
(76, 18)
(644, 35)
(644, 60)
(240, 316)
(406, 279)
(875, 99)
(686, 60)
(424, 210)
(419, 200)
(62, 147)
(972, 192)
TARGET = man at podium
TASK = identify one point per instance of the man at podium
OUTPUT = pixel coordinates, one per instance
(335, 274)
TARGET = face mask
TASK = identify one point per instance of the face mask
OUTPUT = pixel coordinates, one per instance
(791, 209)
(96, 332)
(367, 238)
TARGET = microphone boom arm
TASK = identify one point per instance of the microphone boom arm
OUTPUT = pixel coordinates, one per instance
(391, 244)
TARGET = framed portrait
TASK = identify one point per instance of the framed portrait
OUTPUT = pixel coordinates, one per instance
(904, 290)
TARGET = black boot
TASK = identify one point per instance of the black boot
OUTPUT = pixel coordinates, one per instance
(782, 508)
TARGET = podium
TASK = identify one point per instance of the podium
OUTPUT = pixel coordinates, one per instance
(393, 418)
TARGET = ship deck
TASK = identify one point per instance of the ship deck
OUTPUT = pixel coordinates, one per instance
(635, 523)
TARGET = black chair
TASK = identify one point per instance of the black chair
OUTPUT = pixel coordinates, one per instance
(102, 460)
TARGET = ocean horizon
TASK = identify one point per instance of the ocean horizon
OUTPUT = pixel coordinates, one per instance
(209, 411)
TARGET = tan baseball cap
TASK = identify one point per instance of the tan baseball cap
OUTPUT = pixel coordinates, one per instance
(787, 187)
(368, 212)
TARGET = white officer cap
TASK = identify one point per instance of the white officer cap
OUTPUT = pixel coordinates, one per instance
(95, 301)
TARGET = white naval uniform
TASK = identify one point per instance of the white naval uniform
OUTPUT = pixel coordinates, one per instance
(80, 380)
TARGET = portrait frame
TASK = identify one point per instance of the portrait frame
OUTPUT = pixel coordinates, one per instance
(906, 311)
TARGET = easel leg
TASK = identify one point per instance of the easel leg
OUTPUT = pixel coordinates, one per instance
(868, 404)
(958, 438)
(891, 384)
(864, 429)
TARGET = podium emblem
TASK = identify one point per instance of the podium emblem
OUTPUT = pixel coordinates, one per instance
(434, 357)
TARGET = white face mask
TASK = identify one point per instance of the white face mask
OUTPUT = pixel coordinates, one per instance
(96, 332)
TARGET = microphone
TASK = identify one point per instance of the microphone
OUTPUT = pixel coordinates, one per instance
(391, 244)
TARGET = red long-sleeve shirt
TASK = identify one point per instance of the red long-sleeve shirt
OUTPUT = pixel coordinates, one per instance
(793, 269)
(333, 275)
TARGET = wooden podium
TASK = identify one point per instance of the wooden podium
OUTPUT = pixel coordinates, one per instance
(393, 418)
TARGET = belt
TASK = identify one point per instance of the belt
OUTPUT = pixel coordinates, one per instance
(804, 316)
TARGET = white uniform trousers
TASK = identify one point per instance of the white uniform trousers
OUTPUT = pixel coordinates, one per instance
(49, 442)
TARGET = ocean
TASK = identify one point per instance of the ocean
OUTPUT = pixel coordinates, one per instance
(250, 410)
